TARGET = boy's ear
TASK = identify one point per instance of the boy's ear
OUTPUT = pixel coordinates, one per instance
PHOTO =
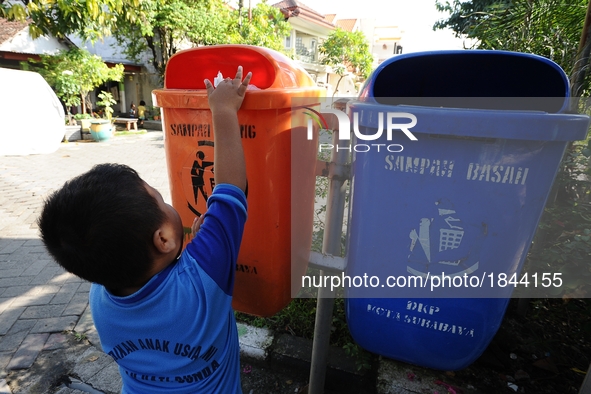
(164, 241)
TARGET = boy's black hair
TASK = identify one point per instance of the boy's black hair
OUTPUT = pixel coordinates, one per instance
(142, 102)
(99, 226)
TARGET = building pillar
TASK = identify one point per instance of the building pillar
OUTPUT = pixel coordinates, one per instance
(122, 102)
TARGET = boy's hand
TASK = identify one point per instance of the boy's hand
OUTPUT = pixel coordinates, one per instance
(224, 103)
(196, 225)
(229, 93)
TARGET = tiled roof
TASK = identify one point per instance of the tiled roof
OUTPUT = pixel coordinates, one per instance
(346, 24)
(9, 29)
(330, 17)
(294, 8)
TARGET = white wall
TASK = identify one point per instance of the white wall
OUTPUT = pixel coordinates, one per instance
(23, 43)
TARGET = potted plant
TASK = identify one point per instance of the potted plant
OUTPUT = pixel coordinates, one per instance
(156, 113)
(83, 120)
(102, 129)
(73, 131)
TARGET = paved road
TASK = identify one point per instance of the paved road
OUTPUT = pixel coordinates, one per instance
(38, 299)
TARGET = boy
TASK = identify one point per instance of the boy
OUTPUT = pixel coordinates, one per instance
(164, 316)
(141, 113)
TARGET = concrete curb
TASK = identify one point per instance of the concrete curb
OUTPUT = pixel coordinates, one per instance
(153, 125)
(287, 351)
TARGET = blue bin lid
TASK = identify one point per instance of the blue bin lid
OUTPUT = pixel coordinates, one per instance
(469, 73)
(473, 93)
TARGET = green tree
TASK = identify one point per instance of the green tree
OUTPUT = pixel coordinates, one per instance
(68, 90)
(263, 26)
(166, 26)
(75, 73)
(161, 27)
(347, 52)
(90, 19)
(466, 16)
(550, 28)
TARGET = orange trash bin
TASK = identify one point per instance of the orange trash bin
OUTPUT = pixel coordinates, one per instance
(275, 247)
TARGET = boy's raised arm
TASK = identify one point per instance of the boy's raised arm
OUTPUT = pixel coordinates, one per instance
(224, 102)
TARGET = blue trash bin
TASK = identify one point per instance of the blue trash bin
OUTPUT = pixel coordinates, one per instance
(463, 200)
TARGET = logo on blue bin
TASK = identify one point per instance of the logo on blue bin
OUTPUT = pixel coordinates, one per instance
(443, 242)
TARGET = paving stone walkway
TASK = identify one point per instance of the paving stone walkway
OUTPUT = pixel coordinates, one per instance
(38, 299)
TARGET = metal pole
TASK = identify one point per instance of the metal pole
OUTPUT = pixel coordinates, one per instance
(331, 244)
(320, 346)
(586, 386)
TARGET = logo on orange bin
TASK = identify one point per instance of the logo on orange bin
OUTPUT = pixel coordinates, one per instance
(198, 177)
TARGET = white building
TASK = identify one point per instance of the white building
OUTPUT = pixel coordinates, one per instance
(140, 78)
(16, 45)
(309, 30)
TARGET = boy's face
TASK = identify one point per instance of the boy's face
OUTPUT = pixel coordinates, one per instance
(172, 219)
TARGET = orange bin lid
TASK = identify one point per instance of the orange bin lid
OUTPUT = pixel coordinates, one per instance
(276, 79)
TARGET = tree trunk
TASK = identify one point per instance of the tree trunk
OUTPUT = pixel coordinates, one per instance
(337, 86)
(577, 78)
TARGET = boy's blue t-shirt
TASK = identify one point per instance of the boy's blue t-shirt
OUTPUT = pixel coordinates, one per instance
(177, 334)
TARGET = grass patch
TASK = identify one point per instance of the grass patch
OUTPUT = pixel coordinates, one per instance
(130, 132)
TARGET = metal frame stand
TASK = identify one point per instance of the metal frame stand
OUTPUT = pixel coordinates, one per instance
(329, 260)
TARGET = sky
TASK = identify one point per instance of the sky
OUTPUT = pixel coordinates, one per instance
(414, 17)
